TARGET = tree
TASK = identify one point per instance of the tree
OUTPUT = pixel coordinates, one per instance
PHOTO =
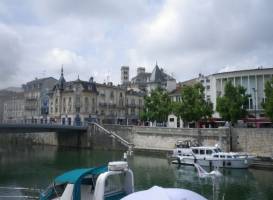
(232, 105)
(157, 106)
(268, 104)
(193, 106)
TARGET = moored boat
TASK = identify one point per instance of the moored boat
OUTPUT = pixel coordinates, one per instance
(114, 182)
(211, 156)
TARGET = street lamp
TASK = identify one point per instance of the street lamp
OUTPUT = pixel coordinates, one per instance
(254, 96)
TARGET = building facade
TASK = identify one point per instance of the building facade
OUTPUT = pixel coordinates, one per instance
(149, 81)
(37, 99)
(111, 103)
(253, 80)
(73, 102)
(78, 102)
(5, 96)
(14, 109)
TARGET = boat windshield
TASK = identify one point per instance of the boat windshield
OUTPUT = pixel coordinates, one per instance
(216, 150)
(114, 186)
(53, 191)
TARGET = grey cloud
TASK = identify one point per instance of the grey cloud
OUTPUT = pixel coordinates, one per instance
(206, 36)
(10, 53)
(103, 10)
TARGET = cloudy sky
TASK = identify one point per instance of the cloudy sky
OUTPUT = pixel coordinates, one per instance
(96, 37)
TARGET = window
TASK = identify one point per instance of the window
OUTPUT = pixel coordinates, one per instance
(140, 102)
(171, 119)
(112, 95)
(215, 156)
(250, 101)
(222, 156)
(208, 87)
(202, 151)
(229, 156)
(195, 151)
(208, 152)
(64, 105)
(86, 104)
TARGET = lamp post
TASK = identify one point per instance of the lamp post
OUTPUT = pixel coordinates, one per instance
(255, 109)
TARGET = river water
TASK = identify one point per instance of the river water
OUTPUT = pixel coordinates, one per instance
(36, 166)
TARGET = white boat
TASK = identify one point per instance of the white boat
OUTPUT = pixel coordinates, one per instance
(114, 182)
(211, 156)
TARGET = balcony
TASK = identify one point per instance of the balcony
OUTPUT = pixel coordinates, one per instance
(30, 108)
(131, 105)
(31, 98)
(102, 104)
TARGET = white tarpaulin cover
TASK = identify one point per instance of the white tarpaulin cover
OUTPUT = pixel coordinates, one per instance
(159, 193)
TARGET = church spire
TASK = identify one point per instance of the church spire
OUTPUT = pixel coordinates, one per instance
(62, 71)
(61, 80)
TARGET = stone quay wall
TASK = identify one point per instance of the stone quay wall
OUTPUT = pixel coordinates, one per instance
(164, 139)
(43, 138)
(258, 141)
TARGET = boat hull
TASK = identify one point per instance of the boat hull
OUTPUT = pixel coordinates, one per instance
(222, 163)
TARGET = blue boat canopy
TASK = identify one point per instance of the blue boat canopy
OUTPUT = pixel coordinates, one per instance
(76, 177)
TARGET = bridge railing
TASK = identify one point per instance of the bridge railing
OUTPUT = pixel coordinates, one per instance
(114, 135)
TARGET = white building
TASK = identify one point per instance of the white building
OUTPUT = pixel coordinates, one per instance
(252, 79)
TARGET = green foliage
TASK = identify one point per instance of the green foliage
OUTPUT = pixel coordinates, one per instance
(157, 106)
(193, 106)
(232, 105)
(268, 104)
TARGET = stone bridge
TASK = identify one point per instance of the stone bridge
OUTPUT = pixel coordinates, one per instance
(91, 135)
(40, 128)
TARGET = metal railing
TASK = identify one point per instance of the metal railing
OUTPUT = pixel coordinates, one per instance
(114, 135)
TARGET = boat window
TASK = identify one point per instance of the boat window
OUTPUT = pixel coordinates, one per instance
(215, 150)
(54, 191)
(219, 150)
(114, 183)
(222, 156)
(195, 151)
(216, 156)
(229, 156)
(202, 151)
(208, 151)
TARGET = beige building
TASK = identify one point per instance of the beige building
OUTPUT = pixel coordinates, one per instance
(14, 108)
(36, 99)
(111, 103)
(77, 102)
(73, 102)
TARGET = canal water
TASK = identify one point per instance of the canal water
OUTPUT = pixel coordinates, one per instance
(36, 166)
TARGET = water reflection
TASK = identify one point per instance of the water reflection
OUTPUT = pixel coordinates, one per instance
(36, 166)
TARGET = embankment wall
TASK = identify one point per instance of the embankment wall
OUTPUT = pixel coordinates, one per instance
(161, 138)
(258, 141)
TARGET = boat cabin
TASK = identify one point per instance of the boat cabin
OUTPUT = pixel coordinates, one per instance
(98, 183)
(205, 150)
